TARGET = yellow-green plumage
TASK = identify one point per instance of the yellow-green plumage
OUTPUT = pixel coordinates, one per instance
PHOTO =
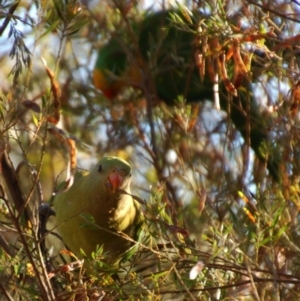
(93, 195)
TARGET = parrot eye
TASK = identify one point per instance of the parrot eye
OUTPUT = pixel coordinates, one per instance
(100, 168)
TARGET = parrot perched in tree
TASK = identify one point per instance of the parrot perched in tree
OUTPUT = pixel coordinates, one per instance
(98, 209)
(164, 54)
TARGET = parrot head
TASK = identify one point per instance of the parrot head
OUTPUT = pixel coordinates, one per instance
(110, 69)
(117, 171)
(109, 87)
(114, 71)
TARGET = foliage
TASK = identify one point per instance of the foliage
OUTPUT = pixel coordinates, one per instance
(206, 196)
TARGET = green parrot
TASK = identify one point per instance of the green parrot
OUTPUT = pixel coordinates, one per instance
(168, 53)
(98, 209)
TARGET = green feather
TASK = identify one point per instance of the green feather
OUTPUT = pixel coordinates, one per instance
(169, 50)
(90, 214)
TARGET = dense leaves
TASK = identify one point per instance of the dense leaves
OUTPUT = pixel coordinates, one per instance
(213, 210)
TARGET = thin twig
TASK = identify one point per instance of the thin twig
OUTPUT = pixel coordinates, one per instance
(275, 12)
(9, 16)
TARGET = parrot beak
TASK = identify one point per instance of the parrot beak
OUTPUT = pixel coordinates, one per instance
(114, 181)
